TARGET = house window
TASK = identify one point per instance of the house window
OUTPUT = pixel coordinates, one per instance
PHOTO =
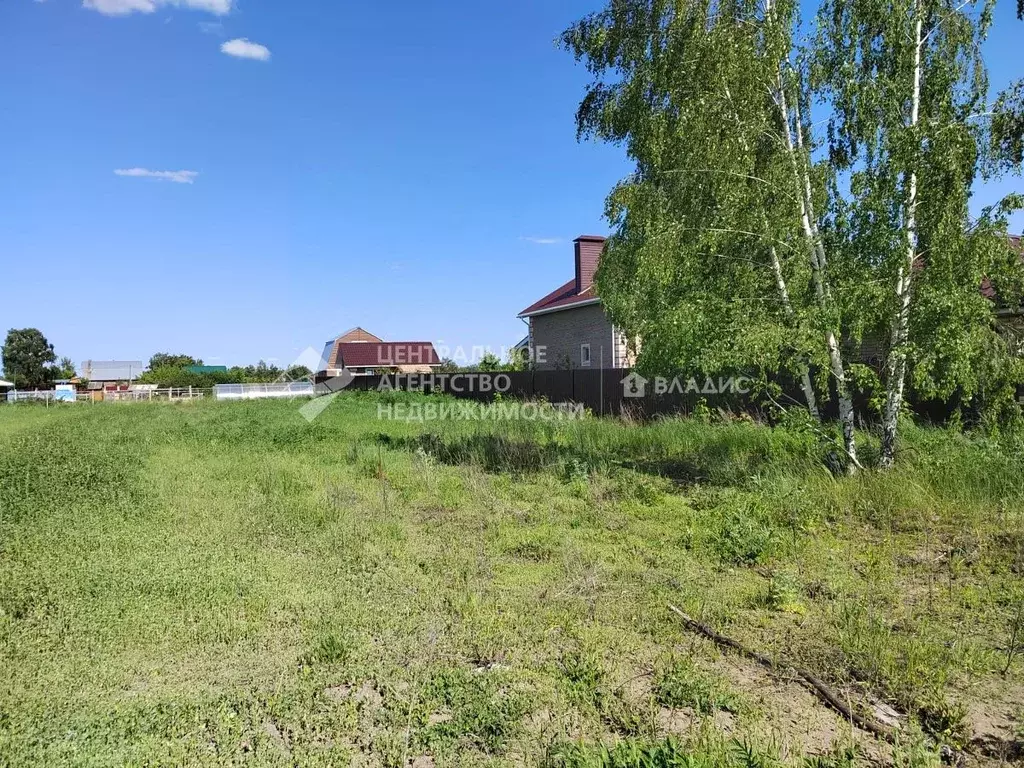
(584, 354)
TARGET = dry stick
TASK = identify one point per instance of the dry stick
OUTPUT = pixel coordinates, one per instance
(823, 692)
(1015, 628)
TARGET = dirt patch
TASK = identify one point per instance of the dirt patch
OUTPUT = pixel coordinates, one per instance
(678, 722)
(995, 728)
(271, 729)
(338, 692)
(797, 719)
(368, 697)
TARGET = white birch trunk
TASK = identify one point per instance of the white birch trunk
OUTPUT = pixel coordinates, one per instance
(816, 254)
(896, 365)
(805, 370)
(780, 281)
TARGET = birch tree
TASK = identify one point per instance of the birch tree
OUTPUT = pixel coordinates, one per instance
(744, 239)
(717, 258)
(909, 126)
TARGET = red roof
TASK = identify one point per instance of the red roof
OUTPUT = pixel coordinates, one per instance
(579, 290)
(561, 297)
(361, 354)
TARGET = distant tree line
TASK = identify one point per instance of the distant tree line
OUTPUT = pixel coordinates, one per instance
(167, 370)
(30, 362)
(518, 360)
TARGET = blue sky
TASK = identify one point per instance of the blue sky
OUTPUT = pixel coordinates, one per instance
(402, 166)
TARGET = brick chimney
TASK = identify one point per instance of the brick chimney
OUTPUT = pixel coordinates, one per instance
(588, 254)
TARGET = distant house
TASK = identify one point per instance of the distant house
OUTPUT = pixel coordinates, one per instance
(111, 374)
(872, 348)
(203, 369)
(361, 353)
(1010, 318)
(521, 350)
(569, 327)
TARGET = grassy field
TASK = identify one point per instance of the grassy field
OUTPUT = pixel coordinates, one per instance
(225, 584)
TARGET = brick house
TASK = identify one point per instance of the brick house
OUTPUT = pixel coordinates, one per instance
(361, 353)
(569, 327)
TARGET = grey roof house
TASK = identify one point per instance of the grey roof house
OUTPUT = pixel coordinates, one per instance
(104, 373)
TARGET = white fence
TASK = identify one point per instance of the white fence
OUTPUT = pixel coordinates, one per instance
(132, 396)
(288, 389)
(140, 395)
(262, 391)
(34, 396)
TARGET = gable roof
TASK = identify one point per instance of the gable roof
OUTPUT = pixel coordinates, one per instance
(578, 292)
(361, 354)
(358, 334)
(563, 297)
(329, 358)
(112, 370)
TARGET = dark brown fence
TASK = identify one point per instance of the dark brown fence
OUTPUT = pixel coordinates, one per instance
(605, 392)
(613, 391)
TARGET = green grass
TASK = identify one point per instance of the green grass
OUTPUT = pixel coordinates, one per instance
(215, 584)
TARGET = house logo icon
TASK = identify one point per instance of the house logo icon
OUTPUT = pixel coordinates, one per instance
(634, 385)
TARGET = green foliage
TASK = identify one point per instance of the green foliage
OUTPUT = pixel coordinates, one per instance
(840, 757)
(912, 163)
(680, 684)
(913, 751)
(724, 231)
(489, 362)
(587, 685)
(65, 369)
(784, 593)
(27, 358)
(688, 268)
(911, 672)
(167, 360)
(584, 675)
(670, 753)
(178, 376)
(1008, 124)
(485, 710)
(1014, 627)
(174, 376)
(330, 649)
(518, 360)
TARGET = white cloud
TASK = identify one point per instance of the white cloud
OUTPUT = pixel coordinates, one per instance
(211, 27)
(543, 240)
(243, 48)
(178, 177)
(125, 7)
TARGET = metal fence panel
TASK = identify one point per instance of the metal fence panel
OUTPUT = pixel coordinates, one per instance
(287, 389)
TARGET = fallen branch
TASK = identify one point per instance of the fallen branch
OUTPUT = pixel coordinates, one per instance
(820, 689)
